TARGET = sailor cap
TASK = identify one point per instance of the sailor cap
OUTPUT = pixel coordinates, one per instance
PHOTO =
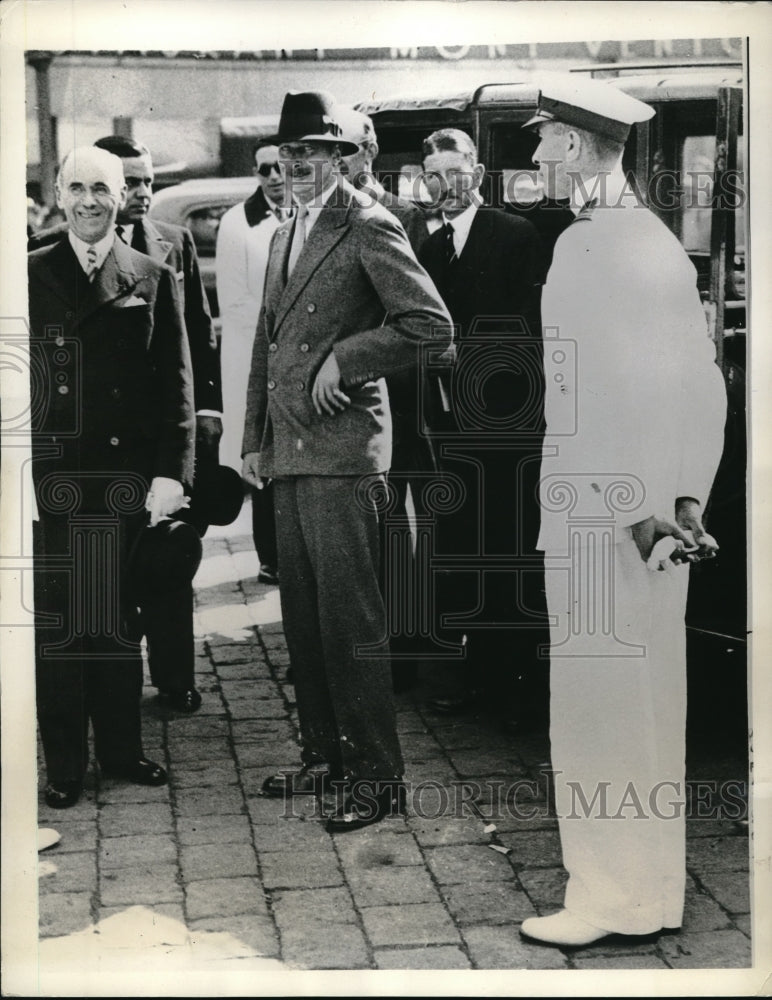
(591, 105)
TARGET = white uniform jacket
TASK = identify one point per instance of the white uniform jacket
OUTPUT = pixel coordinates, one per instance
(633, 394)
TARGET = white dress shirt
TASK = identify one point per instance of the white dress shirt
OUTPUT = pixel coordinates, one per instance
(102, 247)
(461, 224)
(316, 206)
(127, 232)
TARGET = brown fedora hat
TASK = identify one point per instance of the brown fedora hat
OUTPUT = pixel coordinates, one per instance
(309, 116)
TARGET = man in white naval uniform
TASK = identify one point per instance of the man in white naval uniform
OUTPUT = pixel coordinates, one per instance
(635, 409)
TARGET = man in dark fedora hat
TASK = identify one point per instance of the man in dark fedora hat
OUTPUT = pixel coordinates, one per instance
(346, 304)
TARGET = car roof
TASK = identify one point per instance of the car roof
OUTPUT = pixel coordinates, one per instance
(193, 194)
(666, 83)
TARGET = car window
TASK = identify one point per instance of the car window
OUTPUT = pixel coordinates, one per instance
(696, 160)
(203, 224)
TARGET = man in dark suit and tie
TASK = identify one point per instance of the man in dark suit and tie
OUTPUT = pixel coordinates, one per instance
(112, 436)
(168, 616)
(346, 304)
(487, 265)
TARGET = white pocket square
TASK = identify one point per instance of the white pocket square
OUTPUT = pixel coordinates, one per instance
(133, 301)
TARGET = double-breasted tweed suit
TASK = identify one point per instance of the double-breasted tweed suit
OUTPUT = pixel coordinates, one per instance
(358, 291)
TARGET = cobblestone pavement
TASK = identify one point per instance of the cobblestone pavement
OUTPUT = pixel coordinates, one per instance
(207, 870)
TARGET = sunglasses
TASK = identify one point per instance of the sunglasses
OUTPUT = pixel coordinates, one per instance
(265, 169)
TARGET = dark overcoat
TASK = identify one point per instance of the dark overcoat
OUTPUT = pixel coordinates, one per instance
(174, 246)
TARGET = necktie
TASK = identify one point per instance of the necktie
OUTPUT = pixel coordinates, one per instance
(298, 237)
(91, 262)
(450, 249)
(282, 214)
(121, 233)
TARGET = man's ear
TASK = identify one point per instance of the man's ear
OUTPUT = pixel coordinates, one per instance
(573, 145)
(58, 193)
(336, 155)
(478, 173)
(122, 196)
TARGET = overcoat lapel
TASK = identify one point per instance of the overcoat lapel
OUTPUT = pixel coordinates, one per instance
(64, 272)
(479, 244)
(114, 279)
(157, 247)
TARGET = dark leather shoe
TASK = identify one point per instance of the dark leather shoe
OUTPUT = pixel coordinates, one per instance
(139, 772)
(368, 802)
(451, 706)
(311, 779)
(268, 574)
(63, 794)
(181, 701)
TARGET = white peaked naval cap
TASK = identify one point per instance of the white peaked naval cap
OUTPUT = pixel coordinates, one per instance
(592, 105)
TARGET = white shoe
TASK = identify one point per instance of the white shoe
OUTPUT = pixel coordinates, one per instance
(562, 928)
(47, 837)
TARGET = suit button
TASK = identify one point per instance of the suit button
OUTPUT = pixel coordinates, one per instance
(304, 348)
(311, 307)
(69, 314)
(273, 347)
(114, 441)
(63, 390)
(271, 384)
(115, 393)
(59, 341)
(301, 384)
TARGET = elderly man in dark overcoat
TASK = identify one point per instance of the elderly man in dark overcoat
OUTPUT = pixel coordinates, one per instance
(113, 437)
(167, 618)
(346, 304)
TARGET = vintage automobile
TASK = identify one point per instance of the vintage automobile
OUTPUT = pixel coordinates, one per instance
(199, 205)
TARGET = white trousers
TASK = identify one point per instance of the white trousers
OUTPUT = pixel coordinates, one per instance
(617, 735)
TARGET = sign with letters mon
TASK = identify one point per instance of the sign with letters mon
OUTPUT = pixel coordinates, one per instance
(658, 49)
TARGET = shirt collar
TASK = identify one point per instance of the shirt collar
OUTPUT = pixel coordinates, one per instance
(462, 223)
(607, 189)
(276, 209)
(128, 231)
(317, 205)
(103, 248)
